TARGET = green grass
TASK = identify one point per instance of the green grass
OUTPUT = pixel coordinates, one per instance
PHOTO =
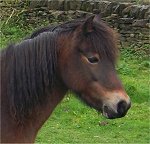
(73, 122)
(135, 77)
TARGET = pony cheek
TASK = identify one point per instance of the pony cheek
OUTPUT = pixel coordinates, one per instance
(74, 83)
(74, 80)
(72, 75)
(95, 91)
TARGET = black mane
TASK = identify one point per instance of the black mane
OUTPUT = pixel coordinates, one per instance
(31, 72)
(71, 25)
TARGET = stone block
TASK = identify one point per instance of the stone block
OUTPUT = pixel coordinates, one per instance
(83, 5)
(147, 14)
(75, 5)
(146, 41)
(50, 4)
(61, 5)
(126, 32)
(144, 9)
(126, 20)
(38, 3)
(134, 13)
(89, 6)
(66, 5)
(96, 6)
(132, 35)
(102, 5)
(148, 26)
(127, 10)
(78, 5)
(53, 5)
(125, 26)
(140, 23)
(131, 11)
(136, 36)
(120, 7)
(110, 8)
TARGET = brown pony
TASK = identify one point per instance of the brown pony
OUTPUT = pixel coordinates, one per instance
(36, 74)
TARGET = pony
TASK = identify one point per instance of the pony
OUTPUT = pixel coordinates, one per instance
(36, 73)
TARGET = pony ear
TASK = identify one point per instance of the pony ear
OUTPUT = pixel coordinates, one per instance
(87, 26)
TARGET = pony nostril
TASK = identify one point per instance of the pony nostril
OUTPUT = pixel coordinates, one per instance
(122, 108)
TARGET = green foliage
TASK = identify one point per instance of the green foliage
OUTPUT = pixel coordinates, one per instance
(142, 1)
(145, 64)
(138, 52)
(12, 33)
(15, 32)
(135, 77)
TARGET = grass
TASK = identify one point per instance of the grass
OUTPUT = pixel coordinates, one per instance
(135, 78)
(73, 122)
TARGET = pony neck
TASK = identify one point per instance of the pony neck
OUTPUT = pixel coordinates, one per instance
(19, 69)
(27, 131)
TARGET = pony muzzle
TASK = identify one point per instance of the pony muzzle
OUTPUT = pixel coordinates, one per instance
(116, 108)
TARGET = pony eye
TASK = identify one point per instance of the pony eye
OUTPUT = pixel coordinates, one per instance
(93, 59)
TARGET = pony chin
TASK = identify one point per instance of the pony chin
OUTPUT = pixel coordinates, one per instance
(90, 101)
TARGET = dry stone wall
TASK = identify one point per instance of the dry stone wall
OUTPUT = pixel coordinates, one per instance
(130, 20)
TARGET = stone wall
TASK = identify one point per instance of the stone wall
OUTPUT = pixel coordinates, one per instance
(130, 20)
